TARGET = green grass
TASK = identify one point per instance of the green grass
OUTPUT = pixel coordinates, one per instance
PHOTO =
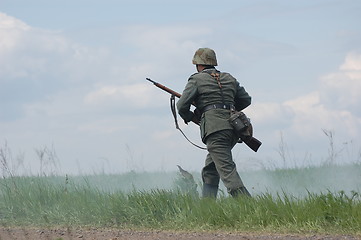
(51, 201)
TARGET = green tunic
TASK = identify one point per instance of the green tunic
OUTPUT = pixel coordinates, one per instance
(203, 90)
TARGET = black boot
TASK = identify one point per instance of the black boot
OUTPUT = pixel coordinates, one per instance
(209, 191)
(241, 191)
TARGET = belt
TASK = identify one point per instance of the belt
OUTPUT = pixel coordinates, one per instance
(218, 106)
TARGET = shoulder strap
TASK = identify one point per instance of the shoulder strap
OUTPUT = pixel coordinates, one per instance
(216, 75)
(172, 106)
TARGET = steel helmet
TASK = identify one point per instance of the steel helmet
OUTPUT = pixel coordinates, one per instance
(205, 56)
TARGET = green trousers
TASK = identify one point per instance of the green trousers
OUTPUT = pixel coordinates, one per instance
(219, 163)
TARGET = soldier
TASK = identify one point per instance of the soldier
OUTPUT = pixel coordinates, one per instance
(215, 94)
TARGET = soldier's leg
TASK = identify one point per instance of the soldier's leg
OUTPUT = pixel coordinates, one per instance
(210, 178)
(219, 145)
(242, 191)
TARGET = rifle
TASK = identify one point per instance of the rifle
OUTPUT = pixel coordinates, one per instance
(252, 142)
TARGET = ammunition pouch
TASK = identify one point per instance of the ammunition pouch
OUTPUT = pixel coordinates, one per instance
(241, 125)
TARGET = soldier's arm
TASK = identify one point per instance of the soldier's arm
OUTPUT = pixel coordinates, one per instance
(185, 101)
(242, 99)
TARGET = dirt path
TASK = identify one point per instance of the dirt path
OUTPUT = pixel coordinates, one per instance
(111, 234)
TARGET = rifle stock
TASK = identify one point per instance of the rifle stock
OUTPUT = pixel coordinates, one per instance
(252, 142)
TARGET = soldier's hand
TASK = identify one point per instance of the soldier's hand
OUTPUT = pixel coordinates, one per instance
(196, 116)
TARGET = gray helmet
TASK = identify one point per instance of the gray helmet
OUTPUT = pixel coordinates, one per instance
(205, 56)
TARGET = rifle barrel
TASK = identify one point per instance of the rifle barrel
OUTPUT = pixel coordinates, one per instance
(150, 80)
(168, 90)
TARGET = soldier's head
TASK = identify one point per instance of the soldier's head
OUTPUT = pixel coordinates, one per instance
(204, 57)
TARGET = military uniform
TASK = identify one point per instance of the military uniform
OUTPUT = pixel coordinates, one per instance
(215, 97)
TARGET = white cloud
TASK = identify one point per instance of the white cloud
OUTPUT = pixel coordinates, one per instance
(341, 90)
(43, 56)
(126, 97)
(26, 51)
(334, 106)
(11, 30)
(270, 114)
(310, 116)
(352, 62)
(36, 64)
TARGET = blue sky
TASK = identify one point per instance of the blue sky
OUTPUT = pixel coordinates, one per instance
(72, 78)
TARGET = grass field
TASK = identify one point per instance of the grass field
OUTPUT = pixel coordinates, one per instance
(319, 199)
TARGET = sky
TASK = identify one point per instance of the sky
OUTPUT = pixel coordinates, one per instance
(74, 97)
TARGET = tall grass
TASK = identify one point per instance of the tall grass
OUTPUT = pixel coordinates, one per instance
(39, 201)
